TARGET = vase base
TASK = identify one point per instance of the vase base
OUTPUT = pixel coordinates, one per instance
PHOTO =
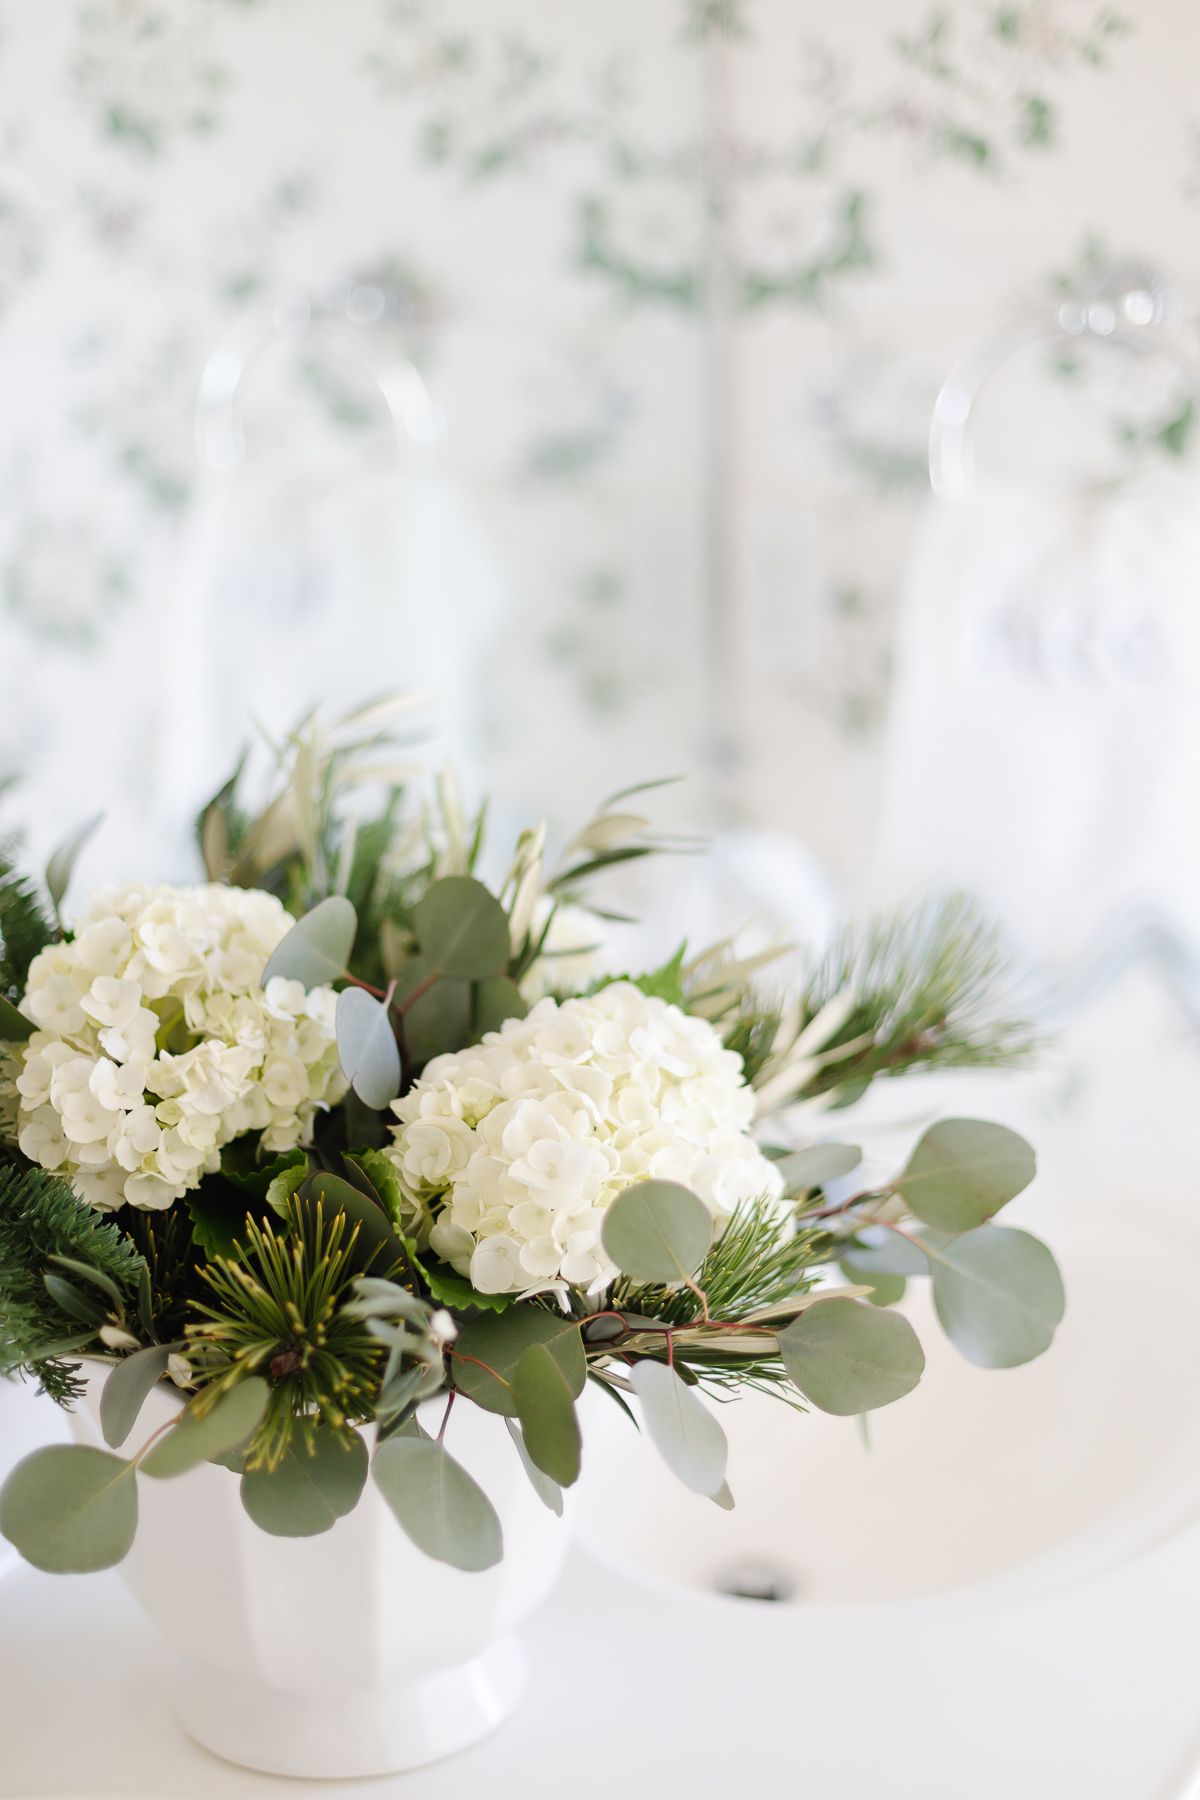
(329, 1735)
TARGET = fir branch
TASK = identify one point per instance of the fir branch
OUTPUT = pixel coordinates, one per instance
(25, 927)
(41, 1217)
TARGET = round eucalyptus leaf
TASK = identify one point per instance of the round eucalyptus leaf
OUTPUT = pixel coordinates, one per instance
(885, 1289)
(963, 1171)
(484, 1356)
(69, 1509)
(367, 1048)
(462, 928)
(681, 1428)
(547, 1491)
(817, 1164)
(545, 1407)
(311, 1488)
(233, 1419)
(317, 948)
(440, 1507)
(849, 1358)
(998, 1294)
(126, 1388)
(438, 1020)
(657, 1231)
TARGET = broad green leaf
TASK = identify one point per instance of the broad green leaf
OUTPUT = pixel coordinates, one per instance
(849, 1358)
(125, 1390)
(311, 1488)
(379, 1247)
(69, 1509)
(493, 1001)
(657, 1231)
(233, 1419)
(62, 863)
(681, 1428)
(217, 1211)
(317, 949)
(484, 1356)
(885, 1289)
(547, 1491)
(817, 1164)
(963, 1171)
(545, 1407)
(380, 1173)
(462, 928)
(367, 1048)
(998, 1294)
(281, 1187)
(439, 1020)
(439, 1506)
(14, 1026)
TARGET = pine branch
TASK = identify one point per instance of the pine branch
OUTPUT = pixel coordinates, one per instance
(41, 1217)
(24, 926)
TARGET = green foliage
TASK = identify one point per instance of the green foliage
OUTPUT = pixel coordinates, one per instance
(41, 1219)
(681, 1428)
(315, 1483)
(25, 927)
(545, 1406)
(998, 1294)
(932, 989)
(70, 1509)
(442, 1509)
(657, 1231)
(963, 1171)
(849, 1358)
(215, 1423)
(281, 1311)
(484, 1358)
(760, 1260)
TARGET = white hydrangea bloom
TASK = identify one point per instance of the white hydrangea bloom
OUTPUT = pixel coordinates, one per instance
(156, 1045)
(515, 1147)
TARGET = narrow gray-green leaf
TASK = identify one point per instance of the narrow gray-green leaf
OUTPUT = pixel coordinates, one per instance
(70, 1509)
(96, 1277)
(681, 1428)
(484, 1356)
(547, 1491)
(310, 1489)
(62, 863)
(817, 1164)
(849, 1358)
(657, 1231)
(233, 1419)
(317, 949)
(542, 1397)
(462, 928)
(998, 1294)
(367, 1048)
(125, 1390)
(441, 1508)
(963, 1171)
(14, 1026)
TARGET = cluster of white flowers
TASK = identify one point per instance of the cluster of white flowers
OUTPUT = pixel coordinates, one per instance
(156, 1043)
(516, 1146)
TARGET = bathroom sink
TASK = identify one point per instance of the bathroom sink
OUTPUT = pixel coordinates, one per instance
(980, 1482)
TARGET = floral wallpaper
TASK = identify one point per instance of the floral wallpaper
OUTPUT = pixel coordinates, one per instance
(682, 279)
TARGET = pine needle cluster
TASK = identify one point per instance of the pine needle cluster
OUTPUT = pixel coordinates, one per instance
(282, 1310)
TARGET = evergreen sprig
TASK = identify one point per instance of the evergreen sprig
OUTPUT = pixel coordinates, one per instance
(283, 1310)
(42, 1218)
(25, 927)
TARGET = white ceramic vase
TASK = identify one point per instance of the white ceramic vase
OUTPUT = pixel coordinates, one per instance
(351, 1653)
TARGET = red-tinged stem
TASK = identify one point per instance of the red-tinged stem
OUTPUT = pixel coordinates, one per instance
(461, 1356)
(422, 987)
(355, 982)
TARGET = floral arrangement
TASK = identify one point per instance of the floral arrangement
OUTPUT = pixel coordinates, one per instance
(346, 1133)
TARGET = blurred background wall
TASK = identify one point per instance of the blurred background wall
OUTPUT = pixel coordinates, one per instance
(682, 278)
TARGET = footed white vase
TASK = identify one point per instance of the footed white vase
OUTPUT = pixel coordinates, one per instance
(350, 1653)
